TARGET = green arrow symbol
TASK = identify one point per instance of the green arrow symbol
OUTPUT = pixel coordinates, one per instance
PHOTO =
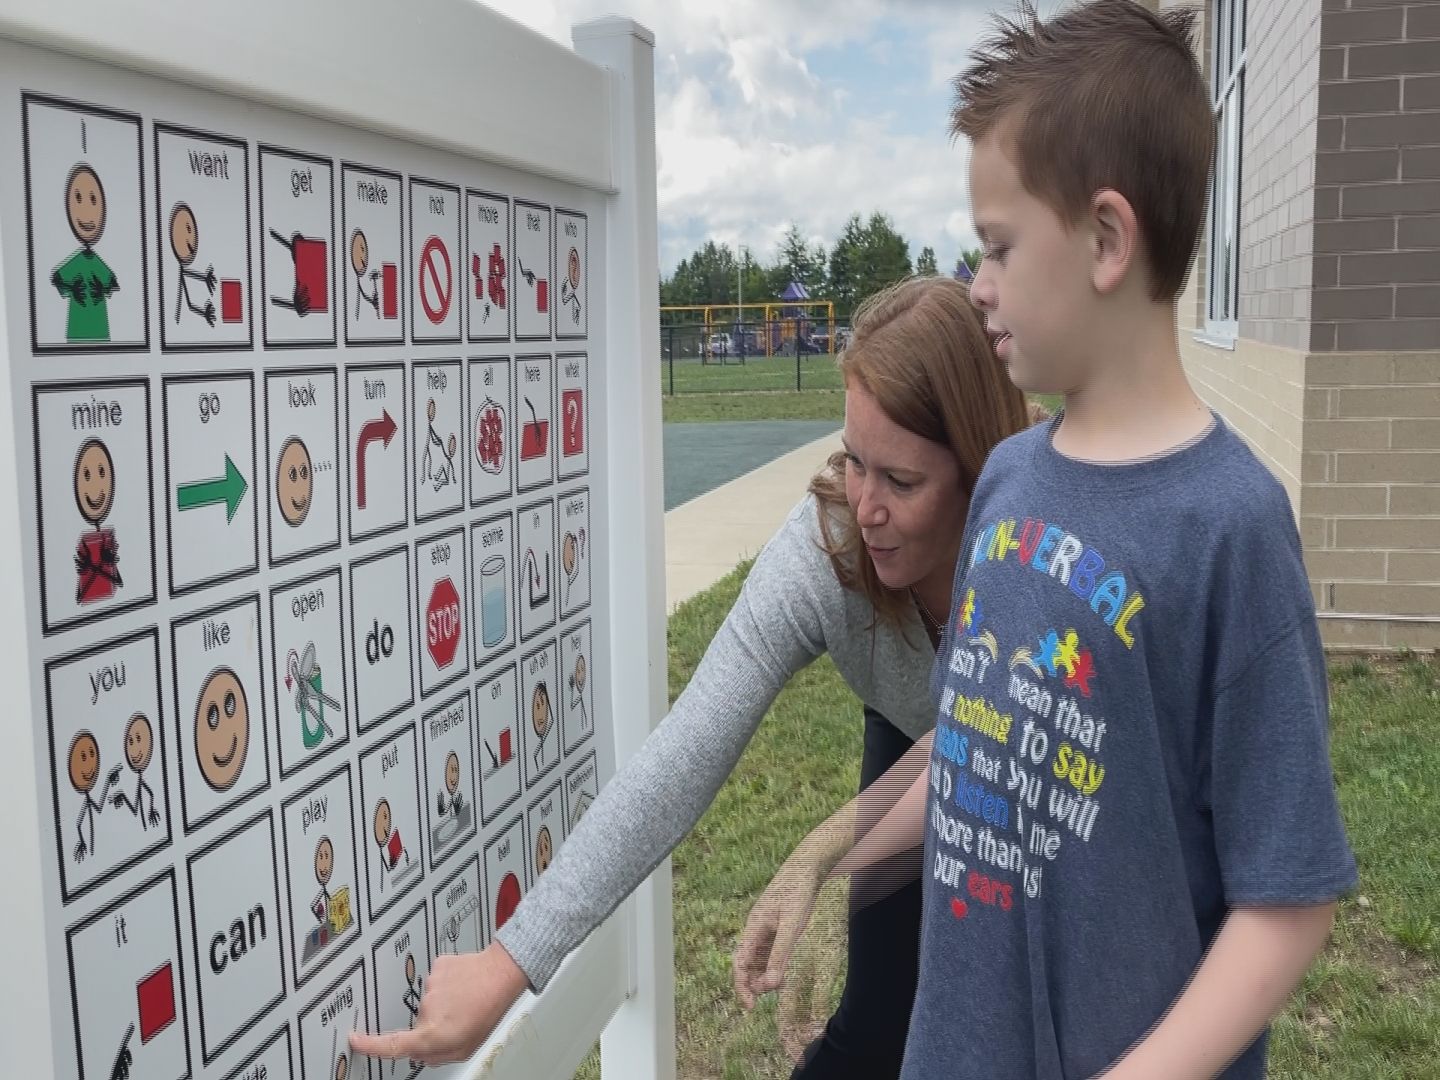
(229, 489)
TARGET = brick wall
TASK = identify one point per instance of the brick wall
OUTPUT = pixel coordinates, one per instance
(1377, 178)
(1277, 204)
(1371, 509)
(1335, 382)
(1259, 385)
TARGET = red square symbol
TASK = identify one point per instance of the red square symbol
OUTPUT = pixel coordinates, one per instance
(572, 431)
(155, 996)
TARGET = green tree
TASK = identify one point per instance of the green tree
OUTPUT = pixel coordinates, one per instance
(846, 259)
(882, 257)
(797, 261)
(925, 264)
(972, 259)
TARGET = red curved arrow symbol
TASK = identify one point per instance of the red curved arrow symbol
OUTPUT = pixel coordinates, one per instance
(384, 429)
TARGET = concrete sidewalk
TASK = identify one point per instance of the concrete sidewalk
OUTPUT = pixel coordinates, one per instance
(706, 537)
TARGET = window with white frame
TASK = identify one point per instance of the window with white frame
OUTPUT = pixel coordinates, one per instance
(1222, 316)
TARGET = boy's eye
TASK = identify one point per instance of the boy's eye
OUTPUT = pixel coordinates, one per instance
(853, 462)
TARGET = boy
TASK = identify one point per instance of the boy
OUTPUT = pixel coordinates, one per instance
(1132, 842)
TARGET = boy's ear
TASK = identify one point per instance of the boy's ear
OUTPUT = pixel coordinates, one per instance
(1115, 239)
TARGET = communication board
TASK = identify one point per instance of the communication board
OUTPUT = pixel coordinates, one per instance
(311, 479)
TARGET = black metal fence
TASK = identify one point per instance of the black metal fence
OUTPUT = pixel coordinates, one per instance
(782, 354)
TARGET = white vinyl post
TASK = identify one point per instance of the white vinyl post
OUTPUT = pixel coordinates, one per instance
(639, 1043)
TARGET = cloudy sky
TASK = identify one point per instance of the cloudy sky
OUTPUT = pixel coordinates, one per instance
(773, 111)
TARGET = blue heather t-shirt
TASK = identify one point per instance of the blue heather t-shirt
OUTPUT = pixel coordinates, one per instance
(1132, 738)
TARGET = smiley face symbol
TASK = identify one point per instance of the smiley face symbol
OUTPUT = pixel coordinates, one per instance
(540, 709)
(452, 772)
(574, 268)
(85, 204)
(570, 554)
(294, 481)
(324, 860)
(84, 762)
(382, 822)
(222, 729)
(94, 481)
(139, 742)
(544, 850)
(359, 252)
(184, 234)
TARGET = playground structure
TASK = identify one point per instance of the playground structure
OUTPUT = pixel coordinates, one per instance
(774, 331)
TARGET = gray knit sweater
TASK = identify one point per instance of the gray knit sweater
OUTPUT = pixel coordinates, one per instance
(791, 610)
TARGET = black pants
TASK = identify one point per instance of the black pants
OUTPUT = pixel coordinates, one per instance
(866, 1036)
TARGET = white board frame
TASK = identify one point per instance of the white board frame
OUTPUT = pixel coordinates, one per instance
(590, 121)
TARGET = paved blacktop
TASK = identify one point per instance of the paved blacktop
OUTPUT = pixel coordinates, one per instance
(708, 535)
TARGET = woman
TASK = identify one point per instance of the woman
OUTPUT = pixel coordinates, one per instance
(861, 569)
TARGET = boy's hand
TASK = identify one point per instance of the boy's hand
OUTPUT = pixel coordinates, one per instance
(773, 928)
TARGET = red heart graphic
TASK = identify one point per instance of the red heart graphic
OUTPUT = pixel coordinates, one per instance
(959, 907)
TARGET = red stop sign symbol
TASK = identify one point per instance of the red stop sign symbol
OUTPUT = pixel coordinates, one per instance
(442, 623)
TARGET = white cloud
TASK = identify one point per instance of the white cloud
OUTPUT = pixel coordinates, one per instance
(803, 111)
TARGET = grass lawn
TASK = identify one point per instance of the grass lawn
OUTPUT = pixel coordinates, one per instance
(1368, 1010)
(766, 405)
(817, 372)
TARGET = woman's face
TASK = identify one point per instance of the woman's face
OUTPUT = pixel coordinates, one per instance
(905, 493)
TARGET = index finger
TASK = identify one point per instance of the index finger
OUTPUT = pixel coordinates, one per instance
(391, 1045)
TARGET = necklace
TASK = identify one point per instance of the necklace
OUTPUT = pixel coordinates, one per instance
(925, 611)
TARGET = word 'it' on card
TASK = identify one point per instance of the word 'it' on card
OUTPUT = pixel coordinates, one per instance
(127, 987)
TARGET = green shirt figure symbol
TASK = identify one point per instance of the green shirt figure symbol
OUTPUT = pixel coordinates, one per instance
(87, 283)
(84, 280)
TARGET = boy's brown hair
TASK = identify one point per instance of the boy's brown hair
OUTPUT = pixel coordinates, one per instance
(1104, 95)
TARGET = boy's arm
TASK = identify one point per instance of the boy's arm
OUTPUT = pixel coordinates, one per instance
(1255, 963)
(902, 829)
